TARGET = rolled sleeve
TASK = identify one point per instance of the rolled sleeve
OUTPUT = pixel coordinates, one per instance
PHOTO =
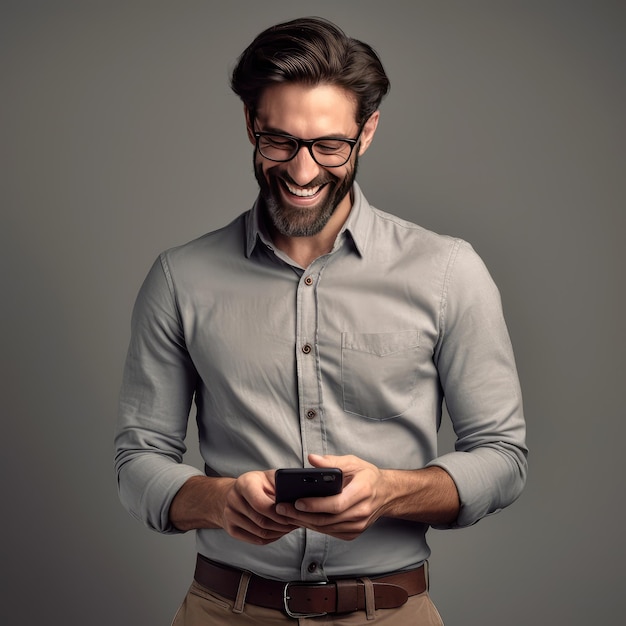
(157, 391)
(482, 393)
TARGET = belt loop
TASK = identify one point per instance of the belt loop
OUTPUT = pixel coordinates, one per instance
(242, 591)
(427, 575)
(370, 600)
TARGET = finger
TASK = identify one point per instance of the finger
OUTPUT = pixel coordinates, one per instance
(327, 460)
(259, 504)
(317, 520)
(258, 521)
(348, 464)
(349, 499)
(243, 534)
(346, 532)
(312, 507)
(251, 526)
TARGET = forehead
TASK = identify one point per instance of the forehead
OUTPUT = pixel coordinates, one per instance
(306, 111)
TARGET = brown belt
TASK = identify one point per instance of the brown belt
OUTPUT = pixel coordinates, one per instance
(299, 599)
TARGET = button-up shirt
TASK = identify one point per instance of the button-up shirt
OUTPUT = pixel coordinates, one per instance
(351, 355)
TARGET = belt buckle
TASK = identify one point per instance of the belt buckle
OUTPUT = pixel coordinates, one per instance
(286, 599)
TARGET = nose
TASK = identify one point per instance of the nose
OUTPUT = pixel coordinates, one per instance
(302, 168)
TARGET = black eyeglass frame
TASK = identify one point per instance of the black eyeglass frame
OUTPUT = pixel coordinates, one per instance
(308, 143)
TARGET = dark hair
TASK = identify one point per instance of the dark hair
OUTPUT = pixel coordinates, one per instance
(311, 51)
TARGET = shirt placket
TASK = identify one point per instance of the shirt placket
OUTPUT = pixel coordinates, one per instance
(310, 401)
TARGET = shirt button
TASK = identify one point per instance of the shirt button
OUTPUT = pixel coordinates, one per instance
(306, 348)
(312, 567)
(308, 281)
(310, 414)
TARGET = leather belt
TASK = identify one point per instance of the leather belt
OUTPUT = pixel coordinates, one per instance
(305, 599)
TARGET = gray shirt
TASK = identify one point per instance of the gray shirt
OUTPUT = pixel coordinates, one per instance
(352, 355)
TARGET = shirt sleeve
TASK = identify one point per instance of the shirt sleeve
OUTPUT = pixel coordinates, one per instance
(481, 388)
(157, 390)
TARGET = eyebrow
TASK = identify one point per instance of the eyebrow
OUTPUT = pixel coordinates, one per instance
(278, 131)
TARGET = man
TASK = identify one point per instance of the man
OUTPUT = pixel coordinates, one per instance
(316, 331)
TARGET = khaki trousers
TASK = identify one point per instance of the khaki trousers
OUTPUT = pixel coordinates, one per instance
(202, 607)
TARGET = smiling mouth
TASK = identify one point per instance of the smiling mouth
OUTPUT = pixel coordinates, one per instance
(303, 192)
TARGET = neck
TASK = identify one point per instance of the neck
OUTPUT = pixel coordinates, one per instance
(304, 250)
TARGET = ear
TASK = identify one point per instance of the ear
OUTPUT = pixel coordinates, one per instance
(367, 135)
(249, 124)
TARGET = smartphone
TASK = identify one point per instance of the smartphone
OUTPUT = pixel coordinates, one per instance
(295, 483)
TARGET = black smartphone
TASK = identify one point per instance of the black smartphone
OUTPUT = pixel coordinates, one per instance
(295, 483)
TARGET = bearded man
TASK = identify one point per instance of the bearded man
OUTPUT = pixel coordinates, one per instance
(316, 331)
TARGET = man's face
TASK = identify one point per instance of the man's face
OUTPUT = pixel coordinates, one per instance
(301, 197)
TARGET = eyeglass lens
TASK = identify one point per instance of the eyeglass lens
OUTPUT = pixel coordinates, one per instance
(327, 152)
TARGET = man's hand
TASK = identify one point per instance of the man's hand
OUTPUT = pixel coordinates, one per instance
(244, 507)
(349, 513)
(427, 495)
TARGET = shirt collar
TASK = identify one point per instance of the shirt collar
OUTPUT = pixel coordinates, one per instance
(359, 221)
(357, 225)
(256, 231)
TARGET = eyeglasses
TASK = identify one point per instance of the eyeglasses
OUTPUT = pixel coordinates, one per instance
(325, 151)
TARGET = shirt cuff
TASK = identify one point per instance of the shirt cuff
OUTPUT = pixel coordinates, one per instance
(486, 479)
(147, 486)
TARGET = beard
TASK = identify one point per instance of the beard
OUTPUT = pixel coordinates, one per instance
(296, 221)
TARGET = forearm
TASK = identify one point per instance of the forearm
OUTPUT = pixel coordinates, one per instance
(427, 495)
(200, 503)
(243, 507)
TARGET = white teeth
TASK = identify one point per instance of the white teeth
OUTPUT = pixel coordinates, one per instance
(303, 193)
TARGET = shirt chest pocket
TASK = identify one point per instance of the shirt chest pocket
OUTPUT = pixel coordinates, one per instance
(379, 373)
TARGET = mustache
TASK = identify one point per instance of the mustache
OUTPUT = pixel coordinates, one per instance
(275, 173)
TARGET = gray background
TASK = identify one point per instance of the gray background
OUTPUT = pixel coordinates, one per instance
(119, 138)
